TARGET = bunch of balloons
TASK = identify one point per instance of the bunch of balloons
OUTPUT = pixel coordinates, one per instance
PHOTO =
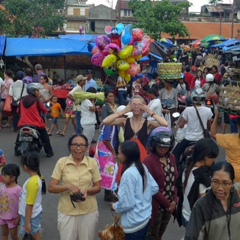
(118, 51)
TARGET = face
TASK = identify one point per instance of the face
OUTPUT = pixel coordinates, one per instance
(167, 85)
(205, 71)
(221, 185)
(78, 147)
(199, 74)
(162, 151)
(7, 179)
(110, 98)
(214, 70)
(121, 156)
(137, 102)
(89, 76)
(54, 99)
(209, 161)
(42, 80)
(37, 93)
(82, 82)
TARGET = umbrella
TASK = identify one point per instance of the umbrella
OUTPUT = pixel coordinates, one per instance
(212, 38)
(166, 40)
(196, 43)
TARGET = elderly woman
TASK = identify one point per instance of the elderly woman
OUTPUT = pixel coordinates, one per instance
(79, 176)
(217, 214)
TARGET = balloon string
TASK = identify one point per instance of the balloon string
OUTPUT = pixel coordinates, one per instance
(104, 84)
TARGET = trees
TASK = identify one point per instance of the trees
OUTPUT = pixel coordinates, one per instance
(156, 17)
(31, 17)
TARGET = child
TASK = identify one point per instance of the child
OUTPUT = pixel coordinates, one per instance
(2, 164)
(69, 113)
(55, 113)
(9, 199)
(30, 206)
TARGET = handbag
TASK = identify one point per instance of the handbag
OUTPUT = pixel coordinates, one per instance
(7, 108)
(15, 103)
(206, 133)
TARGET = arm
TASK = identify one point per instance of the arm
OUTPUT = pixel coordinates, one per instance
(71, 97)
(214, 126)
(96, 188)
(28, 216)
(182, 123)
(110, 148)
(175, 99)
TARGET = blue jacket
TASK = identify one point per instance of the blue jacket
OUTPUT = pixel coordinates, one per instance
(134, 204)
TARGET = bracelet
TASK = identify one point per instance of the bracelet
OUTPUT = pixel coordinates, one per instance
(152, 114)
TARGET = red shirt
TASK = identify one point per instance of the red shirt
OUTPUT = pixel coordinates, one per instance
(31, 116)
(189, 78)
(218, 78)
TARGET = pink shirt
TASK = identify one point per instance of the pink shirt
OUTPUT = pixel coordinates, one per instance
(9, 202)
(7, 84)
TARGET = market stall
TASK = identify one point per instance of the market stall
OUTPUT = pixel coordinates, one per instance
(2, 44)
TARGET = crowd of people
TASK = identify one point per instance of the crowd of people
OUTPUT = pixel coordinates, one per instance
(158, 177)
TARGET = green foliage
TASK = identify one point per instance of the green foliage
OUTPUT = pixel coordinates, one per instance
(162, 17)
(23, 17)
(215, 2)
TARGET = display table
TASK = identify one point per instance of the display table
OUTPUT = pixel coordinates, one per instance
(61, 93)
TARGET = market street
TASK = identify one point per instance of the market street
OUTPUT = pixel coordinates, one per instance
(50, 201)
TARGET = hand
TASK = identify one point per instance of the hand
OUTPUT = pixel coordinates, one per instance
(28, 228)
(73, 189)
(172, 207)
(111, 208)
(84, 194)
(128, 108)
(145, 108)
(17, 221)
(115, 157)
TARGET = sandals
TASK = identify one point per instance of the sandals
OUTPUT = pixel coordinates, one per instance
(6, 126)
(61, 134)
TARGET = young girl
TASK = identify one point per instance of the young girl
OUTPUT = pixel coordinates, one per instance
(55, 113)
(30, 206)
(9, 198)
(69, 113)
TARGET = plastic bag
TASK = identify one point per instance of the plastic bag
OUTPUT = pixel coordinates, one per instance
(28, 236)
(180, 134)
(168, 119)
(7, 108)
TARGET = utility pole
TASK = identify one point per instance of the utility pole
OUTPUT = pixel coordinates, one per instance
(119, 10)
(232, 29)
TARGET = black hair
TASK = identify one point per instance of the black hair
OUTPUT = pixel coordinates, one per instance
(32, 162)
(188, 69)
(74, 136)
(153, 91)
(146, 88)
(108, 92)
(205, 147)
(45, 78)
(132, 153)
(216, 68)
(28, 72)
(11, 170)
(224, 166)
(154, 75)
(91, 90)
(9, 73)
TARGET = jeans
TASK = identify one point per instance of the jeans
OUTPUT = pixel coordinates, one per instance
(15, 118)
(139, 235)
(234, 125)
(122, 96)
(78, 122)
(184, 222)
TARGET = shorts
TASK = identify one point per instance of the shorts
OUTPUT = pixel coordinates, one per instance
(70, 115)
(35, 222)
(2, 104)
(55, 120)
(10, 223)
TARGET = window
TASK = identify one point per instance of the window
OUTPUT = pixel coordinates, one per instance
(76, 12)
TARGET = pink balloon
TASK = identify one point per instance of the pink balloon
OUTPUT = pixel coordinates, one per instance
(97, 59)
(112, 48)
(95, 50)
(134, 69)
(102, 42)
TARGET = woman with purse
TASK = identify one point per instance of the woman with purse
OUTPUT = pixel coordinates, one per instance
(4, 94)
(80, 182)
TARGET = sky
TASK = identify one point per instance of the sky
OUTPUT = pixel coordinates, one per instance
(195, 8)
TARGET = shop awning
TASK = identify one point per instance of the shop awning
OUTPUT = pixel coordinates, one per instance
(228, 43)
(2, 44)
(45, 47)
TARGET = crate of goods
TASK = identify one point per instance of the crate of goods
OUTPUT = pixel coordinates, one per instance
(170, 71)
(230, 99)
(211, 61)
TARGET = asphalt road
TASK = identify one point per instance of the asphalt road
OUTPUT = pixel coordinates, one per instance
(50, 201)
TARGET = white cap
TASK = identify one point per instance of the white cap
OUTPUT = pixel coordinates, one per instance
(121, 108)
(209, 77)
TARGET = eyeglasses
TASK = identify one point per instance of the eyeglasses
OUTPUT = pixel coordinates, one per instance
(224, 184)
(75, 145)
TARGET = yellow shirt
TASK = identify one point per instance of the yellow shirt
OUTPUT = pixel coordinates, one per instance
(231, 144)
(83, 176)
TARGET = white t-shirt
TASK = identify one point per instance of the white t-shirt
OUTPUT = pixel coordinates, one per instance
(76, 107)
(87, 116)
(1, 82)
(186, 209)
(16, 90)
(194, 130)
(156, 106)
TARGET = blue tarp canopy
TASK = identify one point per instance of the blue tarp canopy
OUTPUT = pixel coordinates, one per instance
(232, 48)
(2, 44)
(228, 43)
(45, 47)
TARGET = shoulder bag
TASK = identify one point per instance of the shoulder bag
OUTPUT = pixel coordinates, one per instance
(206, 133)
(15, 103)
